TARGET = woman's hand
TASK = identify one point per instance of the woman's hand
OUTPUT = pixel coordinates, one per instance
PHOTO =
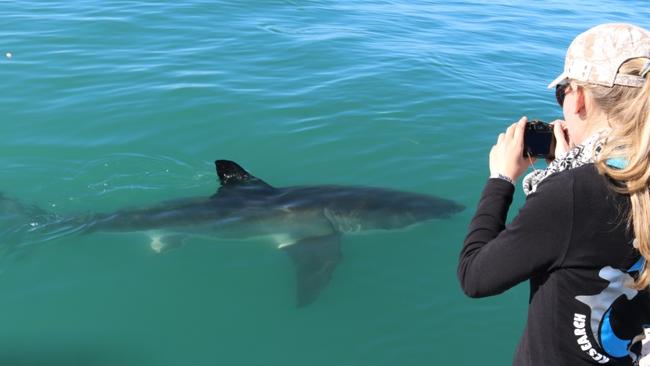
(506, 157)
(561, 139)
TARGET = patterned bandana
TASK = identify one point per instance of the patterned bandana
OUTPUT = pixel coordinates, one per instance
(580, 155)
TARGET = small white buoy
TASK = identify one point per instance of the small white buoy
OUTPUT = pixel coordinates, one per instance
(9, 55)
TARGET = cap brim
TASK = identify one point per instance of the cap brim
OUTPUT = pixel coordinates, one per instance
(563, 76)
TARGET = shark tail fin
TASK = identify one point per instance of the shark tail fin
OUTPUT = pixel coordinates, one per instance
(19, 219)
(315, 259)
(11, 207)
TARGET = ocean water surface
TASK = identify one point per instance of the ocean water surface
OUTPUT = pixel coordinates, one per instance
(127, 103)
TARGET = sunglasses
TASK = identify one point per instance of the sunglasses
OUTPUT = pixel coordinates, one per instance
(560, 92)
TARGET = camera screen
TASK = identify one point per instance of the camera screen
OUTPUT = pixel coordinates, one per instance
(538, 141)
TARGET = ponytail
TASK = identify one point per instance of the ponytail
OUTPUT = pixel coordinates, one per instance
(628, 109)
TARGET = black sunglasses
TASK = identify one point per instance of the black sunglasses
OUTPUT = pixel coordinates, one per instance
(560, 93)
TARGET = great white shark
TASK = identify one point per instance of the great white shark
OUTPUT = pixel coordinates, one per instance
(306, 222)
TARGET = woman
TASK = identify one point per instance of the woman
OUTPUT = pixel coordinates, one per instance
(583, 234)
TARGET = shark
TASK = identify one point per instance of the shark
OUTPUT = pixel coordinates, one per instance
(306, 222)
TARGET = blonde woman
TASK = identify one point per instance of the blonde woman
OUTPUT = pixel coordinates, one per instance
(582, 237)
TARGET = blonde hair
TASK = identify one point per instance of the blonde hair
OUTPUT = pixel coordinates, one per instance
(628, 111)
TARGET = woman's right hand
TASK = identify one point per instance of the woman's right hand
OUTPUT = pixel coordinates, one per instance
(506, 157)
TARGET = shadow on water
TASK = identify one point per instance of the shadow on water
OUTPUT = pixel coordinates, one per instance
(77, 351)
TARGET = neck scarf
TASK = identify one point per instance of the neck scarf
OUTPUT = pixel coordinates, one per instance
(579, 155)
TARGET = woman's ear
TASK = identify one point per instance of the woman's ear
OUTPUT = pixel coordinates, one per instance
(580, 108)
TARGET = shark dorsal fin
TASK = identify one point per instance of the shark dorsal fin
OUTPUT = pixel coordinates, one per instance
(231, 174)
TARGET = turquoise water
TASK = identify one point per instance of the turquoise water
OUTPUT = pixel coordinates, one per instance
(127, 103)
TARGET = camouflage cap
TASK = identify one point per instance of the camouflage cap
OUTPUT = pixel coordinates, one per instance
(596, 55)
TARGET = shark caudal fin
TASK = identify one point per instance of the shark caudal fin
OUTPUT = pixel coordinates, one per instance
(315, 259)
(10, 207)
(22, 224)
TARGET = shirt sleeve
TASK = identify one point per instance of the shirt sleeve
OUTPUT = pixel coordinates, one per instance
(494, 257)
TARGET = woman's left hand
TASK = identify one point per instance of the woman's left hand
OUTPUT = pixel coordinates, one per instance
(506, 157)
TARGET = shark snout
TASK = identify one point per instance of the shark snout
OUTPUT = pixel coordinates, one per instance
(457, 207)
(439, 208)
(454, 209)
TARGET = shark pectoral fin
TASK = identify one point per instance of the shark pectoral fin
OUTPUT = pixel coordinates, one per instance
(165, 243)
(315, 259)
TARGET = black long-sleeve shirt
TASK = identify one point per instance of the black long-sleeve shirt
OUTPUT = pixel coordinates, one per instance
(571, 240)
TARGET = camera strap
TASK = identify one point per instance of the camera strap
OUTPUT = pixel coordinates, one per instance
(532, 166)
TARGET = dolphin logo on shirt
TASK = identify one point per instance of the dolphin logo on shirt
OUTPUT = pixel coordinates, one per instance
(601, 308)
